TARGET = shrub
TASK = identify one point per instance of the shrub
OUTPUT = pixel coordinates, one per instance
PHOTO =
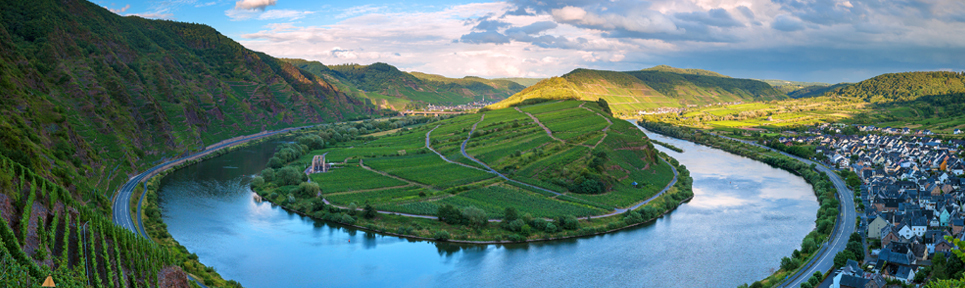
(268, 174)
(307, 190)
(288, 176)
(441, 235)
(369, 212)
(257, 181)
(347, 219)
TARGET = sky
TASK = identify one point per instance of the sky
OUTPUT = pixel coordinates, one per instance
(828, 41)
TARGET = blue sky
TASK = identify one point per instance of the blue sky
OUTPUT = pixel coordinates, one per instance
(803, 40)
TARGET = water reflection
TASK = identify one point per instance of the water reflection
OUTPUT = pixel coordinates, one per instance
(745, 216)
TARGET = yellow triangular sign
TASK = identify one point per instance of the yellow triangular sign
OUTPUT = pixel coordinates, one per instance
(49, 282)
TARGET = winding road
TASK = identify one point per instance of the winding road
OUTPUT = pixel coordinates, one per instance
(121, 205)
(843, 227)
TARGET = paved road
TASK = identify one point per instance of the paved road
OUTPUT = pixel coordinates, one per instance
(122, 202)
(843, 227)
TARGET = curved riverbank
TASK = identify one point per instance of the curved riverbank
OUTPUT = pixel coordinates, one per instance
(828, 186)
(210, 210)
(589, 226)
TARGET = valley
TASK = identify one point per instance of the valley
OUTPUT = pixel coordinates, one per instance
(140, 150)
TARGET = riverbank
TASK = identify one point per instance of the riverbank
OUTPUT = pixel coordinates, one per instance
(149, 219)
(823, 186)
(528, 229)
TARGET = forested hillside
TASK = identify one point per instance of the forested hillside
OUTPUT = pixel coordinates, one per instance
(90, 97)
(665, 68)
(388, 87)
(647, 90)
(908, 86)
(814, 90)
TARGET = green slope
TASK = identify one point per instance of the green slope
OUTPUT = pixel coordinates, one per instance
(907, 86)
(665, 68)
(91, 97)
(629, 92)
(390, 88)
(526, 82)
(813, 91)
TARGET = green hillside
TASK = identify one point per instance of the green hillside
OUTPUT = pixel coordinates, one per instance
(390, 88)
(702, 72)
(812, 91)
(90, 96)
(526, 82)
(907, 86)
(629, 92)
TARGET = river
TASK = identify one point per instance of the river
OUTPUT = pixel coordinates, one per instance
(744, 217)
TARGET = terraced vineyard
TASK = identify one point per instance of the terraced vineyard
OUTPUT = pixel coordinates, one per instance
(559, 158)
(45, 232)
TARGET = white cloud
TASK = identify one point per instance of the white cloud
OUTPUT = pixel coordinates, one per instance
(154, 15)
(119, 11)
(283, 14)
(569, 13)
(239, 15)
(254, 4)
(537, 38)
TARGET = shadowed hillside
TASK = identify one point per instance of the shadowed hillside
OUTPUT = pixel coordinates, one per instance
(390, 88)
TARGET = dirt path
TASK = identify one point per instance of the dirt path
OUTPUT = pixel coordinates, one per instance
(491, 170)
(392, 176)
(548, 132)
(607, 128)
(429, 145)
(644, 202)
(367, 190)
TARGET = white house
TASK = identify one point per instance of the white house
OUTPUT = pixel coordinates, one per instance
(906, 232)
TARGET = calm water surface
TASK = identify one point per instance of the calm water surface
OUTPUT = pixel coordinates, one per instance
(744, 217)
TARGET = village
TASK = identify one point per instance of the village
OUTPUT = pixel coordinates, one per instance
(910, 196)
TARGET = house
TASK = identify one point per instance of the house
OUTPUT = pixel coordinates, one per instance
(957, 131)
(957, 225)
(943, 246)
(945, 216)
(874, 228)
(905, 231)
(850, 276)
(876, 282)
(918, 226)
(889, 234)
(898, 261)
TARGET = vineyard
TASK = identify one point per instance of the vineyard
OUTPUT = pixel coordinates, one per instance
(351, 178)
(46, 231)
(592, 169)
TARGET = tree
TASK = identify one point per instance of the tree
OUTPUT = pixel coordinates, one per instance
(307, 190)
(856, 248)
(275, 162)
(788, 264)
(288, 176)
(369, 212)
(475, 217)
(268, 174)
(257, 181)
(569, 222)
(842, 258)
(441, 235)
(449, 214)
(510, 214)
(808, 245)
